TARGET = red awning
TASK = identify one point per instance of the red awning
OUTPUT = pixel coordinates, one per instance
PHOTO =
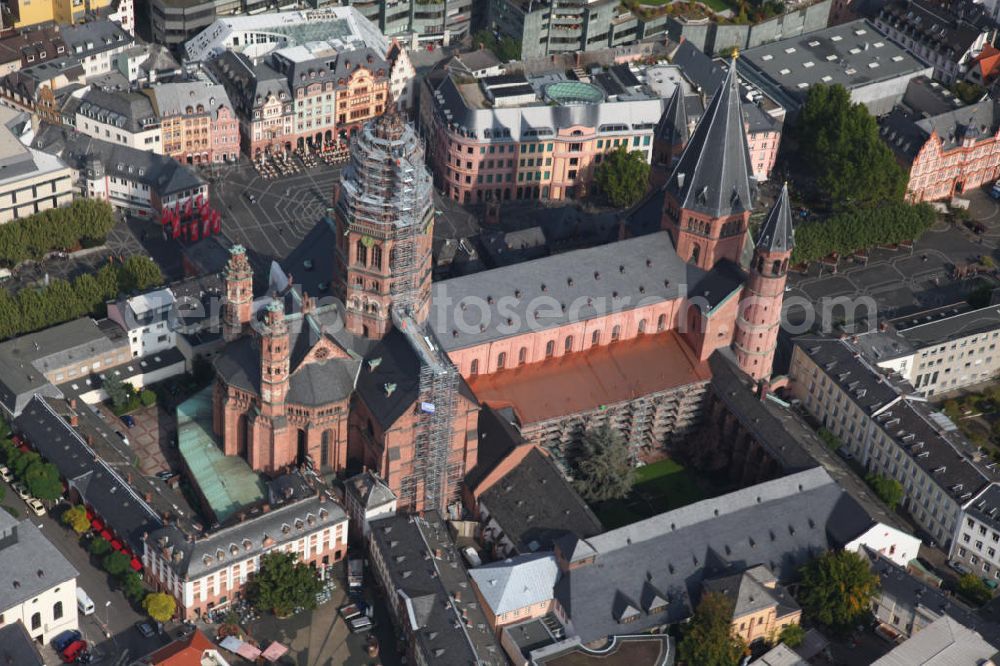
(97, 525)
(106, 535)
(136, 564)
(116, 545)
(90, 514)
(126, 551)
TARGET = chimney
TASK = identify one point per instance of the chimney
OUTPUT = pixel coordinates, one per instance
(90, 440)
(74, 420)
(148, 497)
(72, 403)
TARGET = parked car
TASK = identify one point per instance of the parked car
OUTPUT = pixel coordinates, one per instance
(72, 651)
(472, 557)
(123, 437)
(360, 624)
(21, 491)
(128, 421)
(5, 474)
(146, 629)
(349, 612)
(166, 475)
(63, 640)
(36, 506)
(995, 191)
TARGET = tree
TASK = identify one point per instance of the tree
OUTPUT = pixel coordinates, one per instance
(841, 151)
(623, 177)
(116, 564)
(709, 639)
(139, 273)
(792, 635)
(888, 490)
(603, 465)
(42, 480)
(283, 584)
(132, 586)
(147, 397)
(861, 228)
(837, 588)
(974, 589)
(161, 607)
(22, 461)
(118, 391)
(505, 48)
(99, 547)
(76, 518)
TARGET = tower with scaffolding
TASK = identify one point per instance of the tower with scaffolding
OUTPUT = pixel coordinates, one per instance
(384, 214)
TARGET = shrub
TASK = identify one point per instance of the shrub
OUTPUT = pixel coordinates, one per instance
(147, 397)
(99, 547)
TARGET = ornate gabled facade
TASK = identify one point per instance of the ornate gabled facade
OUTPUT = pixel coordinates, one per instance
(711, 191)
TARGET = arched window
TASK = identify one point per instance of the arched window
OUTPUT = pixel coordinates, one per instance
(324, 448)
(661, 323)
(377, 256)
(36, 621)
(550, 348)
(522, 356)
(57, 610)
(362, 254)
(695, 253)
(474, 368)
(595, 338)
(776, 267)
(569, 343)
(616, 332)
(642, 327)
(760, 264)
(501, 360)
(784, 266)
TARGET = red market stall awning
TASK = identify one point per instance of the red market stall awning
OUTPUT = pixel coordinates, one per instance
(106, 535)
(136, 565)
(90, 514)
(97, 525)
(116, 545)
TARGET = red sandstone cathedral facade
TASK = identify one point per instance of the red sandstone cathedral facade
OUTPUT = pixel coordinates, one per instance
(394, 379)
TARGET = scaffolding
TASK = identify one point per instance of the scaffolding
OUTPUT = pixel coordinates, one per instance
(434, 427)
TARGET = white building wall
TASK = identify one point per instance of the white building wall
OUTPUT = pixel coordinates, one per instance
(44, 605)
(891, 543)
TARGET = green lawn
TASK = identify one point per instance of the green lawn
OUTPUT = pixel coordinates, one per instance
(659, 487)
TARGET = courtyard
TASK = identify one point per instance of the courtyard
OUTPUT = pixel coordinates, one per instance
(661, 486)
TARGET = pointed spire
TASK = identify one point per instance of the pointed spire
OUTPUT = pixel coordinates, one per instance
(714, 174)
(673, 125)
(777, 234)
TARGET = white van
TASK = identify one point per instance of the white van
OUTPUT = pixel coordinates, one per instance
(84, 602)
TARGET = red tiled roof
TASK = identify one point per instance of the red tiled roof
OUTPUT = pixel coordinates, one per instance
(584, 381)
(184, 652)
(989, 61)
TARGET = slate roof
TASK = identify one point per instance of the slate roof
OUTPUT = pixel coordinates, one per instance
(714, 174)
(776, 234)
(906, 132)
(425, 585)
(99, 484)
(780, 524)
(944, 642)
(934, 26)
(16, 646)
(910, 592)
(498, 437)
(164, 175)
(393, 361)
(25, 360)
(94, 37)
(923, 334)
(698, 68)
(29, 561)
(673, 125)
(751, 591)
(369, 490)
(130, 111)
(587, 283)
(314, 383)
(945, 457)
(535, 505)
(248, 83)
(516, 583)
(283, 523)
(175, 98)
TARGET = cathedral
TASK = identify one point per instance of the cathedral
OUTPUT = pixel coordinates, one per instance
(392, 376)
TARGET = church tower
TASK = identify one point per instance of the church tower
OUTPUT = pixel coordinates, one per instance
(759, 317)
(710, 193)
(384, 216)
(238, 280)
